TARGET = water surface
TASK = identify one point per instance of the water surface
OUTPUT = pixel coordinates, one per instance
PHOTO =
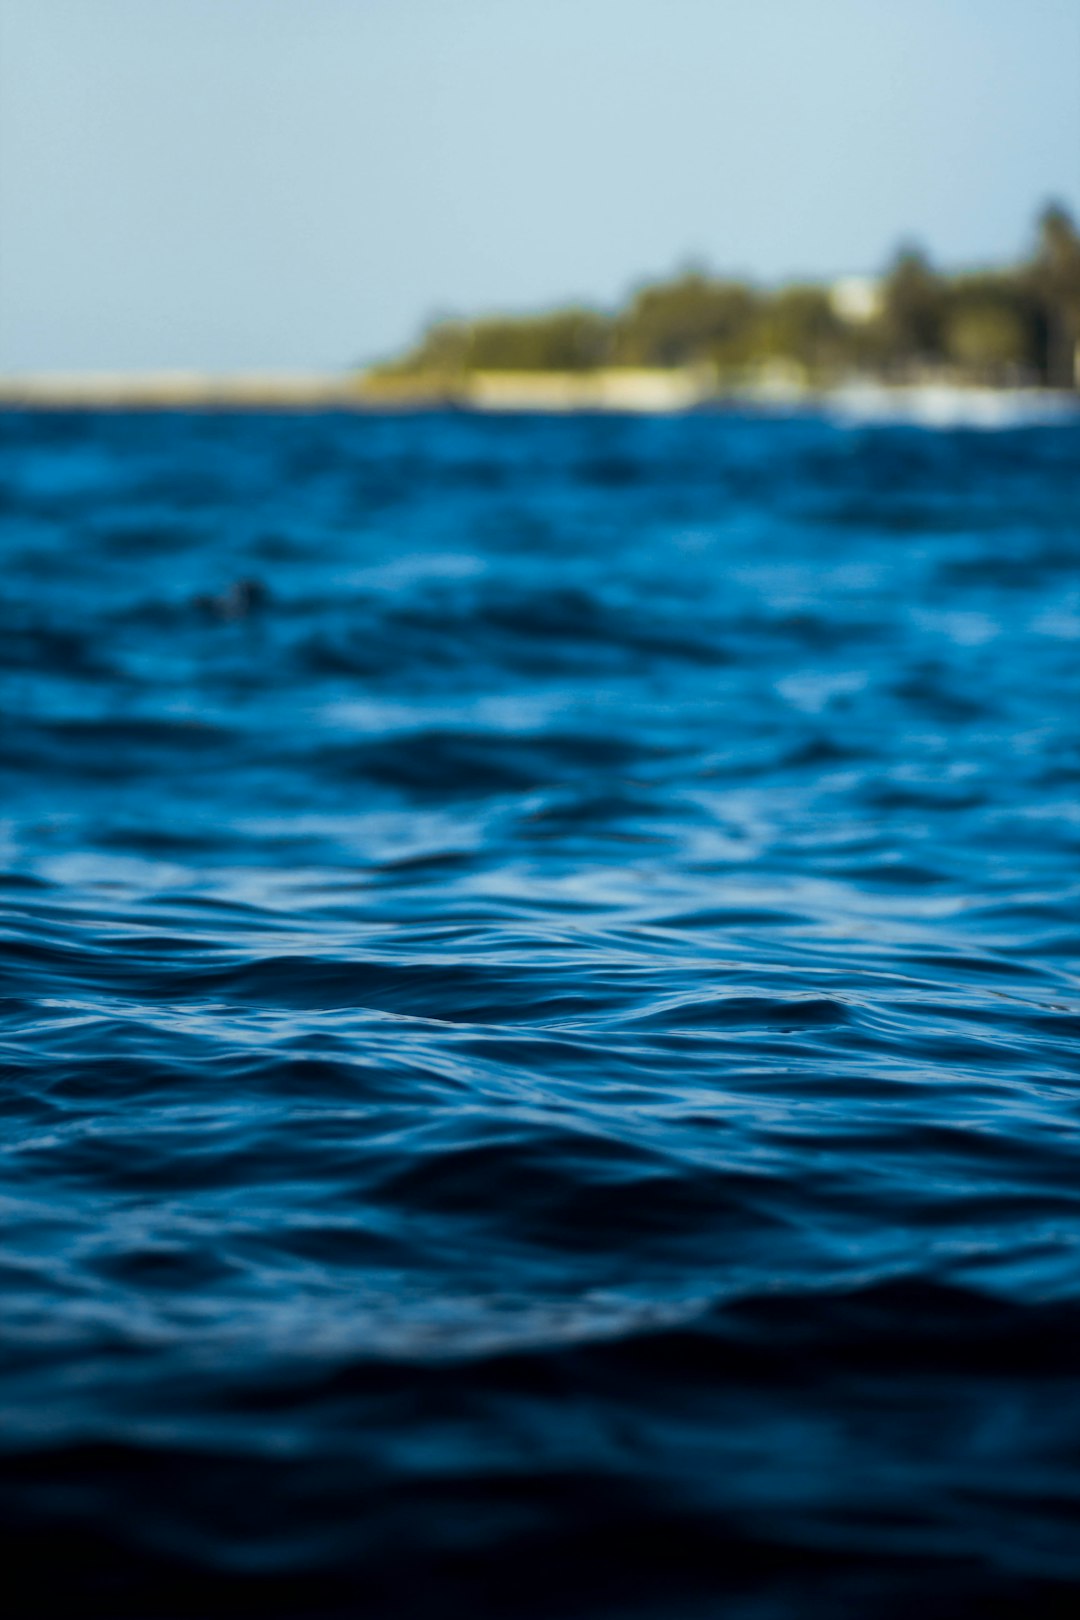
(540, 1013)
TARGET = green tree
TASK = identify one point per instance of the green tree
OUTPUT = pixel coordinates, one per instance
(690, 319)
(567, 340)
(991, 328)
(911, 327)
(1055, 277)
(799, 323)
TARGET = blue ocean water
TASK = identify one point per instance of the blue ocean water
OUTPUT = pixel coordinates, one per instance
(540, 1012)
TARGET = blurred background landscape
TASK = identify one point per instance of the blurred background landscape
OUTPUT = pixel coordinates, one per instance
(1006, 328)
(769, 199)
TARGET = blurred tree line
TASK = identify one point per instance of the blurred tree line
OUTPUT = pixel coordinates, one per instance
(1015, 326)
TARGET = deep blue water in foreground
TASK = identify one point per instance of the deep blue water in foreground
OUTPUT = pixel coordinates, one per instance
(540, 1025)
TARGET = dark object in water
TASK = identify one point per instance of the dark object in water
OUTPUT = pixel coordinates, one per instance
(238, 601)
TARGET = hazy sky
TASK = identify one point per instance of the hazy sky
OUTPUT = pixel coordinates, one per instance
(235, 183)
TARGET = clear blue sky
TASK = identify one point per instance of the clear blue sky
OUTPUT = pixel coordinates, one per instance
(247, 183)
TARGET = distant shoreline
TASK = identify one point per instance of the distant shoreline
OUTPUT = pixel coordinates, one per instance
(173, 390)
(630, 391)
(911, 339)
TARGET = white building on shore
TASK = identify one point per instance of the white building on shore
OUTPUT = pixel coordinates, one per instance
(857, 299)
